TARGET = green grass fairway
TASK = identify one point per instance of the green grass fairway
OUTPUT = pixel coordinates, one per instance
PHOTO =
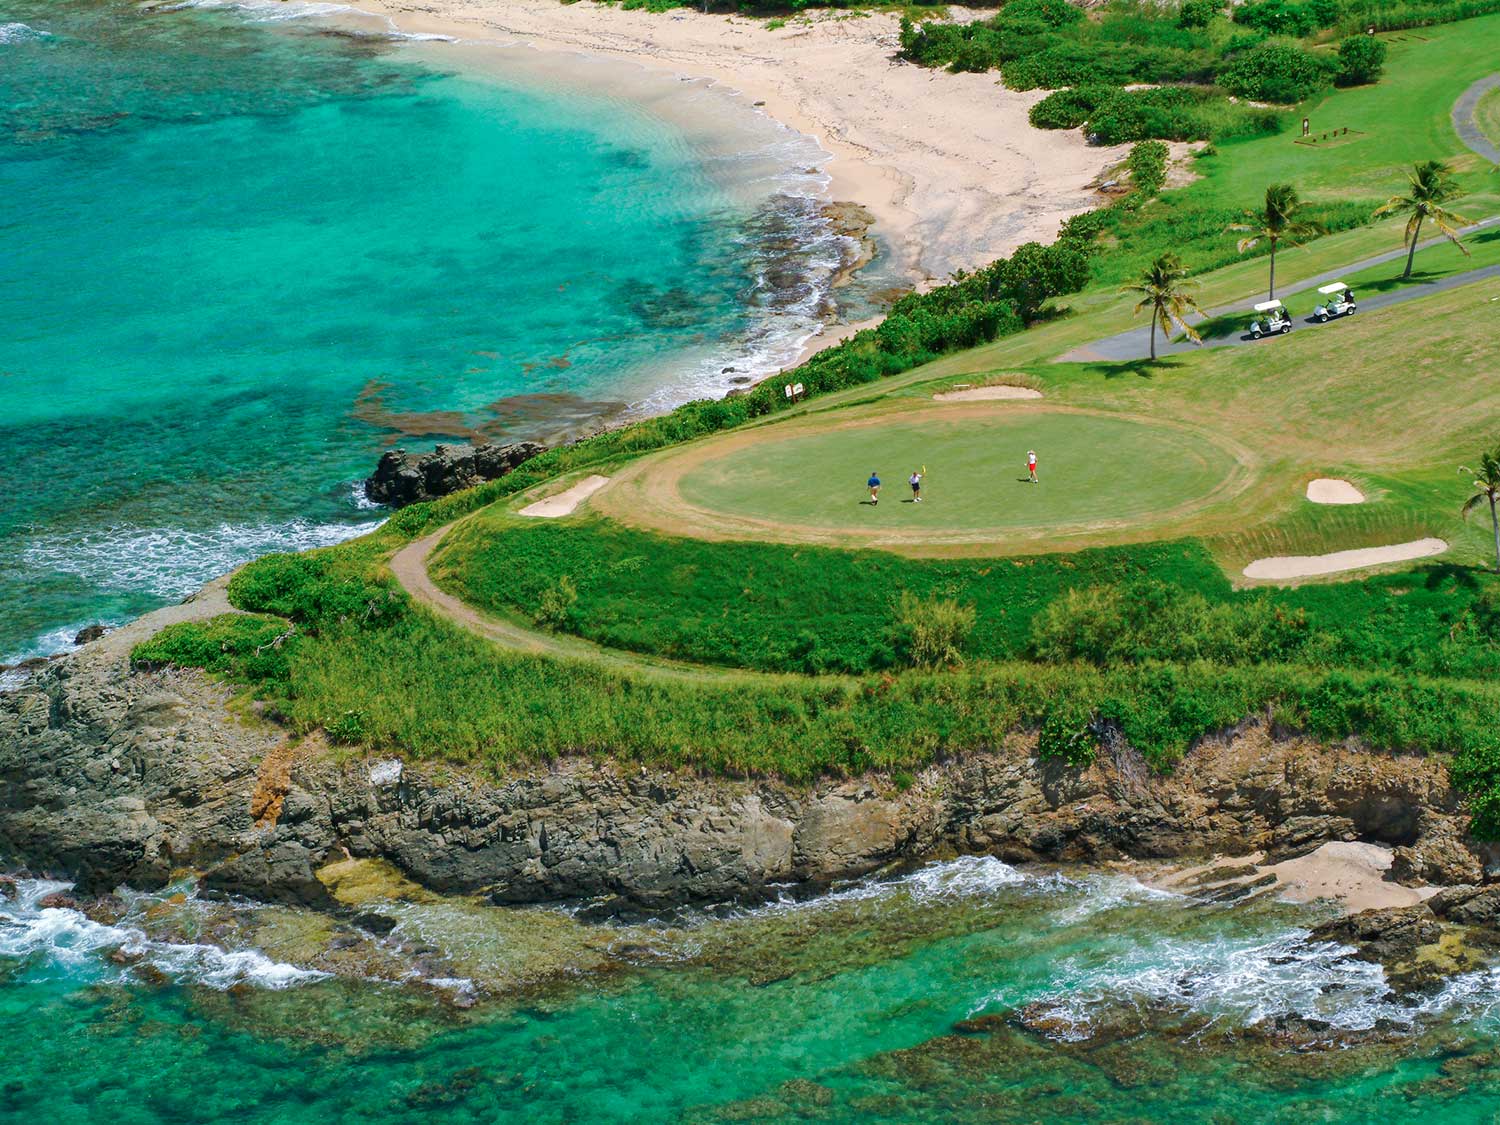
(1093, 469)
(1487, 115)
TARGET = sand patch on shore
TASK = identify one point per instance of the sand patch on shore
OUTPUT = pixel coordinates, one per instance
(949, 165)
(566, 502)
(984, 394)
(1283, 567)
(1353, 875)
(1331, 490)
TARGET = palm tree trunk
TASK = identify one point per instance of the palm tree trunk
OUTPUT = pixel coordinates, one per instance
(1495, 522)
(1156, 314)
(1412, 253)
(1271, 296)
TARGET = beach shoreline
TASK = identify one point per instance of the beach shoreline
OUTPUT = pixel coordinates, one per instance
(948, 164)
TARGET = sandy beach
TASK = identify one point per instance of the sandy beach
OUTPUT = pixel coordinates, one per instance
(1353, 876)
(947, 163)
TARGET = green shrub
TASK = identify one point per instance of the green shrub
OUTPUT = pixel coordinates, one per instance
(1176, 113)
(556, 602)
(250, 647)
(1277, 72)
(1070, 108)
(1361, 59)
(1148, 167)
(309, 589)
(1067, 734)
(931, 632)
(1025, 14)
(346, 729)
(1197, 13)
(1475, 772)
(1288, 17)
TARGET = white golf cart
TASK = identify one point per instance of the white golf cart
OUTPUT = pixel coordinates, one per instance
(1273, 320)
(1338, 300)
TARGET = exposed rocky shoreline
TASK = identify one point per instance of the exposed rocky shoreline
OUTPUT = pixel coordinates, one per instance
(114, 775)
(401, 478)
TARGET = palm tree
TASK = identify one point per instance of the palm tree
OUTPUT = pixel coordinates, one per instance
(1276, 222)
(1432, 185)
(1486, 490)
(1161, 292)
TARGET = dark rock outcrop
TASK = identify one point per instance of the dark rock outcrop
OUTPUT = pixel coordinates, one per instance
(402, 478)
(110, 776)
(89, 633)
(1420, 947)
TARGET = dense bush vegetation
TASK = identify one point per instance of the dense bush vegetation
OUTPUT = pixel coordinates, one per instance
(1277, 72)
(1111, 115)
(252, 647)
(1147, 164)
(1293, 18)
(1361, 58)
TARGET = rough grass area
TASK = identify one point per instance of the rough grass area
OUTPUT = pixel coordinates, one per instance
(423, 687)
(806, 609)
(768, 606)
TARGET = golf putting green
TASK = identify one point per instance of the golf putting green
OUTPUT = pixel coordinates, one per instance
(1094, 470)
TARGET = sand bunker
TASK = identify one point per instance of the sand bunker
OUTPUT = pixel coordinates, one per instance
(977, 394)
(1306, 566)
(1329, 490)
(564, 503)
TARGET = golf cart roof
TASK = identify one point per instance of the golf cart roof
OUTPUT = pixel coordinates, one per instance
(1332, 287)
(1267, 306)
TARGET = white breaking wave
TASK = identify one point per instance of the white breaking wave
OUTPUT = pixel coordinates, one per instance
(361, 502)
(280, 11)
(48, 644)
(21, 33)
(1246, 981)
(66, 940)
(170, 562)
(965, 877)
(264, 11)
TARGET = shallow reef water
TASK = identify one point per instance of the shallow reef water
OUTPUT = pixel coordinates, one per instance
(963, 990)
(248, 246)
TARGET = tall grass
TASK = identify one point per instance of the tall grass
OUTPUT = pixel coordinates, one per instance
(427, 689)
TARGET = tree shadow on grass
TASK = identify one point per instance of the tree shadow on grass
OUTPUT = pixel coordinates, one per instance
(1140, 368)
(1463, 575)
(1386, 285)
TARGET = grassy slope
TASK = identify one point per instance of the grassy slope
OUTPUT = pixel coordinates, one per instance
(1402, 119)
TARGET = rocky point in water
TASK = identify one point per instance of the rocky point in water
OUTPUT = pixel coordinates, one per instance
(403, 478)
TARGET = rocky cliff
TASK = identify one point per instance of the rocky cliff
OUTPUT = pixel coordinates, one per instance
(118, 776)
(402, 478)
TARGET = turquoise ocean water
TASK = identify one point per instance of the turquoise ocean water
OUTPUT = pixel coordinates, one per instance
(966, 991)
(243, 249)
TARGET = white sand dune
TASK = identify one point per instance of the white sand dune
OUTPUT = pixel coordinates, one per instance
(1331, 490)
(1284, 567)
(979, 394)
(566, 502)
